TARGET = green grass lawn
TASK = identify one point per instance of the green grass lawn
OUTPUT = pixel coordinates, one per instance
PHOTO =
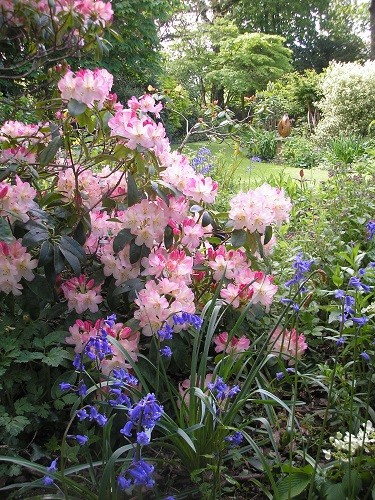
(249, 173)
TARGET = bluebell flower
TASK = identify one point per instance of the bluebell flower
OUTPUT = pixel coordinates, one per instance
(360, 321)
(99, 418)
(301, 268)
(221, 390)
(279, 376)
(82, 390)
(123, 483)
(165, 333)
(256, 158)
(82, 414)
(370, 229)
(286, 301)
(191, 319)
(122, 376)
(365, 356)
(53, 466)
(127, 429)
(81, 439)
(146, 412)
(340, 341)
(47, 481)
(65, 386)
(77, 362)
(141, 472)
(356, 283)
(234, 439)
(166, 352)
(110, 320)
(142, 438)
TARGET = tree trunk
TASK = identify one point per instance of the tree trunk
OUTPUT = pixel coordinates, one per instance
(372, 29)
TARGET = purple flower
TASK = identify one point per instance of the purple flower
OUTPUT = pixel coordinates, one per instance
(191, 319)
(123, 483)
(99, 418)
(81, 439)
(358, 285)
(279, 376)
(340, 341)
(77, 362)
(146, 412)
(53, 466)
(302, 267)
(82, 390)
(65, 386)
(110, 320)
(82, 414)
(234, 439)
(286, 301)
(165, 333)
(360, 321)
(256, 158)
(141, 472)
(143, 439)
(222, 390)
(166, 352)
(47, 481)
(127, 429)
(365, 356)
(370, 226)
(124, 377)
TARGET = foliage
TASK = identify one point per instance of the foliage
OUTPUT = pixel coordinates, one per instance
(260, 143)
(300, 152)
(347, 105)
(346, 149)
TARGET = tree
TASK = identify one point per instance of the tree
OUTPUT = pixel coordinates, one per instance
(372, 28)
(247, 63)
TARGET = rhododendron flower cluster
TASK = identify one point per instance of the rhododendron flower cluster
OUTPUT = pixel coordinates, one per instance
(289, 344)
(18, 154)
(158, 301)
(234, 345)
(82, 294)
(91, 11)
(16, 200)
(259, 208)
(89, 87)
(15, 263)
(25, 134)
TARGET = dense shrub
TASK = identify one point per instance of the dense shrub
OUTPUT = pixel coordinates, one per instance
(300, 152)
(348, 104)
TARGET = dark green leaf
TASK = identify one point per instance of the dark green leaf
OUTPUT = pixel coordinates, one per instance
(46, 253)
(73, 247)
(134, 253)
(121, 239)
(168, 237)
(58, 260)
(72, 260)
(133, 194)
(49, 153)
(35, 236)
(132, 284)
(56, 356)
(267, 235)
(41, 287)
(238, 237)
(76, 108)
(207, 219)
(5, 231)
(81, 232)
(292, 485)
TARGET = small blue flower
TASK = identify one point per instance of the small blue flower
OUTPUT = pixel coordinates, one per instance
(370, 229)
(165, 333)
(82, 414)
(279, 376)
(143, 439)
(166, 352)
(65, 386)
(234, 439)
(53, 466)
(301, 267)
(127, 429)
(365, 356)
(256, 159)
(81, 439)
(360, 321)
(191, 319)
(355, 282)
(146, 412)
(123, 483)
(82, 390)
(110, 320)
(340, 341)
(47, 481)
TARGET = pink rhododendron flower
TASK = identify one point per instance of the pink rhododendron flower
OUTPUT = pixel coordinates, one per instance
(259, 208)
(289, 344)
(184, 386)
(89, 87)
(235, 345)
(18, 154)
(15, 263)
(17, 200)
(82, 294)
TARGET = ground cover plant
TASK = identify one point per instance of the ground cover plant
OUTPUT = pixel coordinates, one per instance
(155, 341)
